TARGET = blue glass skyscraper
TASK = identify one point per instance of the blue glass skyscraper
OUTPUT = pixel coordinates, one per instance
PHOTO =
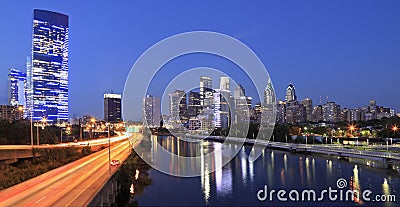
(48, 70)
(16, 87)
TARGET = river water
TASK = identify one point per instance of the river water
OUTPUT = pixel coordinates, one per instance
(239, 181)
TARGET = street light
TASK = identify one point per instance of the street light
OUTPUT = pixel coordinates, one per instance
(68, 129)
(43, 120)
(351, 128)
(21, 108)
(109, 149)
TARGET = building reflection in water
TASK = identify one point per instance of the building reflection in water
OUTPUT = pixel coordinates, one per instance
(355, 185)
(386, 192)
(243, 161)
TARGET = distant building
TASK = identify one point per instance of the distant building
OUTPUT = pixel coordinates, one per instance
(290, 93)
(112, 107)
(317, 114)
(9, 112)
(194, 106)
(152, 111)
(295, 112)
(206, 91)
(16, 87)
(224, 83)
(48, 72)
(281, 112)
(308, 104)
(178, 107)
(372, 110)
(242, 105)
(331, 112)
(221, 103)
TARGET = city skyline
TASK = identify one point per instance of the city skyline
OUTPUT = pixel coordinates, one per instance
(322, 59)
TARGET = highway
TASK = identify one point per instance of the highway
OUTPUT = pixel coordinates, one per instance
(93, 142)
(74, 184)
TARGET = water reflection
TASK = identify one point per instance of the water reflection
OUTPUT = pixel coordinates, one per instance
(237, 182)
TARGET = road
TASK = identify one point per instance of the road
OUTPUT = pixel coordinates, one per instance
(93, 142)
(74, 184)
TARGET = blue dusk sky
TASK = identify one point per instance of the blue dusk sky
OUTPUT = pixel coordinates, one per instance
(347, 50)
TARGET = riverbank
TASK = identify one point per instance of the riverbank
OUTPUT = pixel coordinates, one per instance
(376, 159)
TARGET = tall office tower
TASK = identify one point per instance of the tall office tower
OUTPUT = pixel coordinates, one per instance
(242, 105)
(307, 103)
(49, 69)
(331, 112)
(281, 112)
(373, 109)
(239, 92)
(222, 99)
(206, 91)
(112, 107)
(295, 112)
(194, 104)
(28, 111)
(178, 107)
(224, 83)
(16, 87)
(317, 114)
(152, 111)
(290, 93)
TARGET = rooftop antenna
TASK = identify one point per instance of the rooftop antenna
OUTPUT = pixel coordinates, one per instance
(320, 100)
(327, 99)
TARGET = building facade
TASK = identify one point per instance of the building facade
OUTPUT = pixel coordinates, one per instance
(112, 107)
(290, 93)
(152, 111)
(16, 87)
(49, 66)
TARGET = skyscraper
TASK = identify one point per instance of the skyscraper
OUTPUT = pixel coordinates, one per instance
(290, 93)
(206, 91)
(152, 111)
(224, 83)
(16, 87)
(307, 103)
(49, 67)
(331, 112)
(194, 104)
(112, 107)
(178, 107)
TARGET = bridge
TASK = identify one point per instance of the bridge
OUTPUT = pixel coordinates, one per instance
(11, 153)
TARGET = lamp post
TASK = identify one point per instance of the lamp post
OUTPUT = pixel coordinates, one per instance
(109, 148)
(21, 109)
(68, 129)
(43, 120)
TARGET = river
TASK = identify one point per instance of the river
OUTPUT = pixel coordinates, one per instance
(239, 181)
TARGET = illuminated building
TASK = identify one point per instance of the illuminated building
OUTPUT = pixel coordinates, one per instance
(112, 107)
(8, 112)
(48, 72)
(331, 112)
(307, 103)
(206, 91)
(290, 93)
(152, 111)
(194, 104)
(16, 87)
(178, 107)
